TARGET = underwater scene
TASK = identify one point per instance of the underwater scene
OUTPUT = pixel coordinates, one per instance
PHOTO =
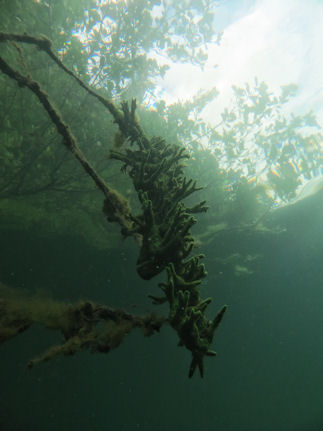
(161, 215)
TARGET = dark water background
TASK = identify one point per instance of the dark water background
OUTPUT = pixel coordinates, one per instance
(268, 374)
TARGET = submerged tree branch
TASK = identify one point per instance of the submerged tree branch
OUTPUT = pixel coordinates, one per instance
(119, 208)
(84, 326)
(162, 229)
(126, 123)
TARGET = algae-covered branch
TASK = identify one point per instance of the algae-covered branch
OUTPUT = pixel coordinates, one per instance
(162, 230)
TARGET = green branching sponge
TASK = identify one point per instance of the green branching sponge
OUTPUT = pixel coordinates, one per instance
(157, 171)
